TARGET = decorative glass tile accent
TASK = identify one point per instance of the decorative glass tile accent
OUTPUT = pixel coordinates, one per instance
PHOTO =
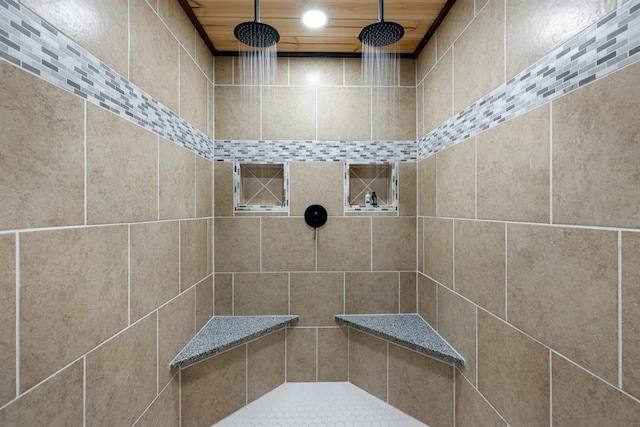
(599, 50)
(31, 43)
(381, 178)
(261, 187)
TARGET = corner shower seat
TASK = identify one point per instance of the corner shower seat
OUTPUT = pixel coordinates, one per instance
(408, 330)
(224, 332)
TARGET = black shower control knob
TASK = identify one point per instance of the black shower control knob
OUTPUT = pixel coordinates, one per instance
(315, 216)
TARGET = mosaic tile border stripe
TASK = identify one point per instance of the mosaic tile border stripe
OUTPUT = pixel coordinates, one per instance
(599, 50)
(309, 151)
(31, 43)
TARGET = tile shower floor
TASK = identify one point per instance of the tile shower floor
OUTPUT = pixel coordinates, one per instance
(319, 404)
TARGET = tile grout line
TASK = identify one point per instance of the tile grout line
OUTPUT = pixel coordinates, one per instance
(506, 273)
(180, 256)
(620, 376)
(158, 177)
(158, 351)
(17, 302)
(180, 397)
(246, 374)
(128, 39)
(476, 385)
(387, 371)
(84, 390)
(550, 388)
(129, 274)
(85, 160)
(453, 254)
(316, 352)
(453, 408)
(551, 162)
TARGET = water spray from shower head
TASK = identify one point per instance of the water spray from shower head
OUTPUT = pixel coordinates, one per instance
(381, 33)
(255, 33)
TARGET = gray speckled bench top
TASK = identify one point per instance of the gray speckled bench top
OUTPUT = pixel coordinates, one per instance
(223, 332)
(409, 330)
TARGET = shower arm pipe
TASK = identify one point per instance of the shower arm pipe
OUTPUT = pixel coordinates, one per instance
(380, 11)
(256, 10)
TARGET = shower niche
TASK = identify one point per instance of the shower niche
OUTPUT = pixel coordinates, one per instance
(361, 179)
(261, 187)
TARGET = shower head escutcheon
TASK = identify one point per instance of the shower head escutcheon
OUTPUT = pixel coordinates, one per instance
(255, 33)
(381, 33)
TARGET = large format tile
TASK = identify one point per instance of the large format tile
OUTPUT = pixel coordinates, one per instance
(427, 187)
(177, 181)
(317, 183)
(178, 22)
(479, 249)
(344, 113)
(204, 302)
(56, 402)
(288, 244)
(527, 42)
(223, 294)
(439, 250)
(421, 386)
(344, 244)
(513, 372)
(426, 59)
(261, 294)
(176, 327)
(457, 325)
(122, 169)
(165, 410)
(368, 363)
(631, 312)
(7, 318)
(42, 170)
(454, 24)
(311, 72)
(408, 292)
(154, 263)
(237, 244)
(407, 194)
(223, 188)
(603, 114)
(427, 300)
(193, 252)
(317, 297)
(513, 169)
(479, 56)
(193, 93)
(333, 357)
(438, 94)
(394, 244)
(265, 364)
(58, 292)
(371, 293)
(214, 388)
(471, 408)
(204, 190)
(237, 113)
(393, 114)
(456, 179)
(121, 376)
(563, 291)
(291, 114)
(301, 354)
(580, 399)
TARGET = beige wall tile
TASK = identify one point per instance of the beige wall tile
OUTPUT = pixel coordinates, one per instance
(204, 58)
(567, 298)
(178, 22)
(394, 119)
(301, 354)
(427, 186)
(121, 376)
(407, 189)
(204, 302)
(332, 354)
(237, 113)
(223, 294)
(368, 363)
(479, 5)
(526, 42)
(165, 410)
(223, 188)
(122, 169)
(427, 58)
(472, 409)
(204, 191)
(154, 69)
(394, 244)
(214, 388)
(427, 306)
(193, 91)
(193, 252)
(101, 21)
(265, 364)
(456, 180)
(288, 244)
(421, 386)
(316, 71)
(317, 297)
(177, 181)
(344, 113)
(224, 70)
(43, 182)
(582, 399)
(630, 312)
(344, 244)
(420, 107)
(515, 379)
(584, 189)
(460, 15)
(457, 325)
(353, 72)
(56, 402)
(154, 263)
(439, 250)
(479, 56)
(408, 293)
(237, 244)
(408, 72)
(261, 293)
(317, 183)
(480, 263)
(421, 239)
(176, 327)
(291, 114)
(513, 169)
(371, 293)
(438, 105)
(57, 292)
(7, 318)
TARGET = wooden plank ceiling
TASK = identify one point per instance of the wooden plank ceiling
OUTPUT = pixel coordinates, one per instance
(218, 18)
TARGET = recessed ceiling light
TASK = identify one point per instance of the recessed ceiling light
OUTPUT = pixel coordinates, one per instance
(314, 18)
